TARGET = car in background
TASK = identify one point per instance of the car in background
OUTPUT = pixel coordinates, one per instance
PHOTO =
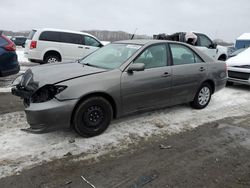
(8, 58)
(55, 45)
(203, 43)
(239, 68)
(236, 52)
(120, 78)
(19, 40)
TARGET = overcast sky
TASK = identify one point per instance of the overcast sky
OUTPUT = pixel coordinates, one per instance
(225, 19)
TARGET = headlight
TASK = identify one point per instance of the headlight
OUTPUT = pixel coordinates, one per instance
(47, 93)
(17, 80)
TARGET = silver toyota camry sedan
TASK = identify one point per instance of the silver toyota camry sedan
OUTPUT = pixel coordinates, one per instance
(119, 79)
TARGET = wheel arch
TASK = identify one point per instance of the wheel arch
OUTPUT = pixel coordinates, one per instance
(52, 52)
(106, 96)
(222, 57)
(211, 83)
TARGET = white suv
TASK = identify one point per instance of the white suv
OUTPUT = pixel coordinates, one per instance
(54, 45)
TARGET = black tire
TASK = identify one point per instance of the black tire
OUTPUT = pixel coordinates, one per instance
(52, 59)
(202, 97)
(92, 117)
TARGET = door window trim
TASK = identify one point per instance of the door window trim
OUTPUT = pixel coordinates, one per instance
(167, 53)
(171, 55)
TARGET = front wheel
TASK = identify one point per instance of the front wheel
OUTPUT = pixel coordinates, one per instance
(92, 117)
(202, 97)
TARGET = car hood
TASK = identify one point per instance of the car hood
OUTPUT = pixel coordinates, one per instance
(39, 76)
(242, 59)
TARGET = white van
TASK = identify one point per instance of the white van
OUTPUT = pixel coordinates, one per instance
(55, 45)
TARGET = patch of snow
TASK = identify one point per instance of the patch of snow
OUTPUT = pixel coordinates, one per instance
(244, 36)
(20, 150)
(5, 90)
(20, 55)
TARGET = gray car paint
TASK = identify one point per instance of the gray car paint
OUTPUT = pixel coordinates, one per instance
(128, 92)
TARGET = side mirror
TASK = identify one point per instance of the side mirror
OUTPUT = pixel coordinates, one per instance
(136, 67)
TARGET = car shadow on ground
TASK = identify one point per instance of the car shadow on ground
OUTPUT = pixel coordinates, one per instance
(240, 87)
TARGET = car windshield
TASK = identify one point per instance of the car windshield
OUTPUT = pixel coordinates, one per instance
(111, 56)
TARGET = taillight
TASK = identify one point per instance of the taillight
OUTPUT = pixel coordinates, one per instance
(33, 44)
(10, 47)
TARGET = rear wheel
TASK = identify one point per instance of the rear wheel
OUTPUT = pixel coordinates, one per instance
(202, 97)
(92, 117)
(52, 59)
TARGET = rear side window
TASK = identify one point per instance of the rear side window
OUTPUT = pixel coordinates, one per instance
(50, 36)
(72, 38)
(31, 34)
(89, 41)
(183, 55)
(3, 42)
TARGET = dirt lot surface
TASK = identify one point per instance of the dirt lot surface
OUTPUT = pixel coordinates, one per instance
(10, 103)
(213, 155)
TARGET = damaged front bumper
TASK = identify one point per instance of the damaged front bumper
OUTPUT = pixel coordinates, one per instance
(47, 114)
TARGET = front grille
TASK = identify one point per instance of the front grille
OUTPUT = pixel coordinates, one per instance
(238, 75)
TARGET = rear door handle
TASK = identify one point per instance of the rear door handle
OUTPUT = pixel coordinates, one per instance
(80, 47)
(166, 74)
(202, 69)
(87, 47)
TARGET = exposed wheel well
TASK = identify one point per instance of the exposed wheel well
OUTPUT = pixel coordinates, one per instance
(99, 94)
(211, 83)
(222, 57)
(52, 52)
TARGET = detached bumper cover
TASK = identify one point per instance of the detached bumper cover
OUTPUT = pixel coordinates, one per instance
(46, 116)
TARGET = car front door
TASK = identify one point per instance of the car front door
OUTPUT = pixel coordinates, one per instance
(206, 45)
(188, 71)
(91, 44)
(151, 87)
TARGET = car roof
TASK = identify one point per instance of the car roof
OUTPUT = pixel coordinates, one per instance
(155, 41)
(145, 41)
(63, 30)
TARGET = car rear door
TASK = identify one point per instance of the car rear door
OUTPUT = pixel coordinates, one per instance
(149, 88)
(188, 71)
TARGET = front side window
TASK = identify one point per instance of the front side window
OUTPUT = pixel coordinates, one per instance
(205, 41)
(183, 55)
(153, 56)
(111, 56)
(89, 41)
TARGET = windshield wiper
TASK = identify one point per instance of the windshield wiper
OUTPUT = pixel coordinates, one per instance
(91, 65)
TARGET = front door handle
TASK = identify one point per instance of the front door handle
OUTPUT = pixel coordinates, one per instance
(80, 47)
(202, 69)
(87, 47)
(166, 74)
